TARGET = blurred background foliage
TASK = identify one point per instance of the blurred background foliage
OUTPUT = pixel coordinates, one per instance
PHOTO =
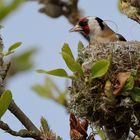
(50, 90)
(24, 62)
(7, 7)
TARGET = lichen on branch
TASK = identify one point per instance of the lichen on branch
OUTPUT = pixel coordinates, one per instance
(131, 8)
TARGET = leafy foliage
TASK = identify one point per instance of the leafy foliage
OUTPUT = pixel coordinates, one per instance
(119, 6)
(56, 72)
(51, 91)
(44, 125)
(67, 50)
(106, 87)
(100, 68)
(135, 94)
(22, 62)
(129, 84)
(12, 48)
(6, 9)
(47, 132)
(70, 62)
(5, 101)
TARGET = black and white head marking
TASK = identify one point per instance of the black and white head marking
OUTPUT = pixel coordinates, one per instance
(101, 22)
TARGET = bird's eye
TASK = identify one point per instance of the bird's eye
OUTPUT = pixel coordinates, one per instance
(83, 23)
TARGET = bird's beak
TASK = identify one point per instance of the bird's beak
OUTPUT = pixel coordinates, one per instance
(76, 28)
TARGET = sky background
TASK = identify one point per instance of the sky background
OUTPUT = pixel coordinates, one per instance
(34, 29)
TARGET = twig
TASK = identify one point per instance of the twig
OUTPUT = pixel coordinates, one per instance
(32, 130)
(57, 8)
(22, 133)
(22, 117)
(14, 109)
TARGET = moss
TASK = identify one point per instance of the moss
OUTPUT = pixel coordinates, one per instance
(89, 98)
(131, 8)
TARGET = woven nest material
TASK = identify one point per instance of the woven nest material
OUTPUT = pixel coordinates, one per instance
(88, 98)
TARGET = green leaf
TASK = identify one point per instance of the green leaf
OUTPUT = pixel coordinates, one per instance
(58, 72)
(43, 91)
(119, 6)
(129, 84)
(71, 63)
(41, 71)
(55, 72)
(8, 53)
(100, 68)
(45, 125)
(67, 50)
(50, 83)
(14, 46)
(80, 46)
(61, 98)
(22, 62)
(51, 91)
(135, 94)
(5, 101)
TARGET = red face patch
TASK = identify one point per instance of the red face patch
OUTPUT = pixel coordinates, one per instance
(83, 22)
(84, 19)
(86, 30)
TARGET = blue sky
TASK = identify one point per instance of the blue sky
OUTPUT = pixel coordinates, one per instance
(37, 30)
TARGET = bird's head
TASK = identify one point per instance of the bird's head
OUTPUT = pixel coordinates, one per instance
(89, 26)
(96, 30)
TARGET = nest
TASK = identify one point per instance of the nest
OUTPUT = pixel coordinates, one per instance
(103, 101)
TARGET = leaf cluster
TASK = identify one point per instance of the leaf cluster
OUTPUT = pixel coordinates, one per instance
(103, 86)
(51, 91)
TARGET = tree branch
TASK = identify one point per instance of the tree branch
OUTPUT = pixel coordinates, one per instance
(57, 8)
(131, 8)
(13, 108)
(22, 133)
(31, 130)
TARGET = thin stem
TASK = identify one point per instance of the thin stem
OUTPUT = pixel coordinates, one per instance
(22, 133)
(19, 114)
(14, 109)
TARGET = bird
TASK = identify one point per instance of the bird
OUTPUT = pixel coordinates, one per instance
(96, 30)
